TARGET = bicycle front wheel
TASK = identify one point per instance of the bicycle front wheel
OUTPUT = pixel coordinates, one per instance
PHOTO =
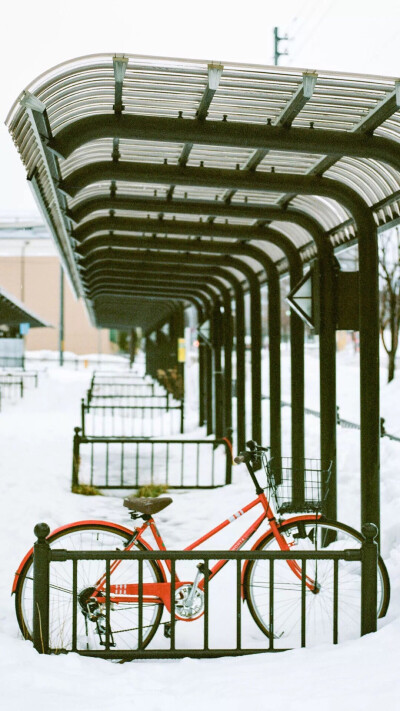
(124, 617)
(323, 623)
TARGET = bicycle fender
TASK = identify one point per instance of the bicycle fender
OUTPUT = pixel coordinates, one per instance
(63, 528)
(266, 535)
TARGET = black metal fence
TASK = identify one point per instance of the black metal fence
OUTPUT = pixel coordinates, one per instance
(73, 362)
(347, 424)
(119, 389)
(12, 386)
(121, 383)
(163, 401)
(132, 420)
(29, 377)
(234, 632)
(126, 463)
(122, 376)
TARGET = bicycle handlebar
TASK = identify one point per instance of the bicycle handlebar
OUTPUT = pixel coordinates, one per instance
(252, 454)
(243, 457)
(253, 460)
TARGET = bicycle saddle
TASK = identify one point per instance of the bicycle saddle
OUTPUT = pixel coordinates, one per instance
(147, 505)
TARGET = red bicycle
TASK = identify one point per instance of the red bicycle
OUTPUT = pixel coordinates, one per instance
(304, 531)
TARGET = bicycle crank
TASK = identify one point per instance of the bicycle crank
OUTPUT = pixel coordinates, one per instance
(189, 602)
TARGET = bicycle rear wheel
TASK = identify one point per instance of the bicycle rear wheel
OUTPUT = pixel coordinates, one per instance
(311, 534)
(124, 617)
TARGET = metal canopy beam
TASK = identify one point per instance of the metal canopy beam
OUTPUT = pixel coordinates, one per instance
(208, 177)
(84, 233)
(298, 100)
(213, 76)
(381, 112)
(40, 125)
(120, 64)
(223, 133)
(194, 296)
(367, 125)
(141, 313)
(121, 280)
(287, 115)
(211, 208)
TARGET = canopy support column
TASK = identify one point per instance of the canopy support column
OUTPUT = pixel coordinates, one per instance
(369, 374)
(274, 330)
(255, 329)
(297, 389)
(216, 340)
(327, 365)
(228, 345)
(240, 367)
(202, 382)
(209, 387)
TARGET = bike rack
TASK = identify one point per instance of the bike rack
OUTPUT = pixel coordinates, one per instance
(127, 462)
(44, 555)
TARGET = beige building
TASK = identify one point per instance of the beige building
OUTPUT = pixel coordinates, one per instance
(30, 271)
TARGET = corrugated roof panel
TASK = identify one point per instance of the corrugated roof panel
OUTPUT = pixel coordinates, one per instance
(155, 88)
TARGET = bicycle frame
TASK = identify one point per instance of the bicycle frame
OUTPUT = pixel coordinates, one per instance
(161, 591)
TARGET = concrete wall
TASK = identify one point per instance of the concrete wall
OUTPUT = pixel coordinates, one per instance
(35, 280)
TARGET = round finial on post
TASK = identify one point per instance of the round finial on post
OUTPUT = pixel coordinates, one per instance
(369, 531)
(41, 531)
(77, 430)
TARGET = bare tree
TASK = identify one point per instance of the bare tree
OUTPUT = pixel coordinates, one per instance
(389, 272)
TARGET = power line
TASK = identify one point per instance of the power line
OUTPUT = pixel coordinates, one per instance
(314, 28)
(303, 16)
(385, 44)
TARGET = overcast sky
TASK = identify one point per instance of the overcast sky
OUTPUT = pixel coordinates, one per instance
(343, 35)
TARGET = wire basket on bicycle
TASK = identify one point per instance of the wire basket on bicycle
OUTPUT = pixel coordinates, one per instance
(296, 490)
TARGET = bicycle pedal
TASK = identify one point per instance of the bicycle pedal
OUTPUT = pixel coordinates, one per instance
(167, 630)
(202, 568)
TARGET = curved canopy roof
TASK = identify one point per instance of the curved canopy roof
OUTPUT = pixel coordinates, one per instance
(129, 152)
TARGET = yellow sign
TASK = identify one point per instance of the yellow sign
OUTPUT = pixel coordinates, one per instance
(181, 350)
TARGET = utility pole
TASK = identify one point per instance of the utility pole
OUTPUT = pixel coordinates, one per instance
(278, 39)
(22, 286)
(61, 323)
(132, 346)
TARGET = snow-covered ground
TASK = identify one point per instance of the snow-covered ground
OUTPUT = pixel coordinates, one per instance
(36, 448)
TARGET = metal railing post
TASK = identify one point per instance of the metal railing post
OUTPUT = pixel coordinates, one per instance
(369, 578)
(76, 457)
(83, 417)
(228, 453)
(182, 415)
(41, 562)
